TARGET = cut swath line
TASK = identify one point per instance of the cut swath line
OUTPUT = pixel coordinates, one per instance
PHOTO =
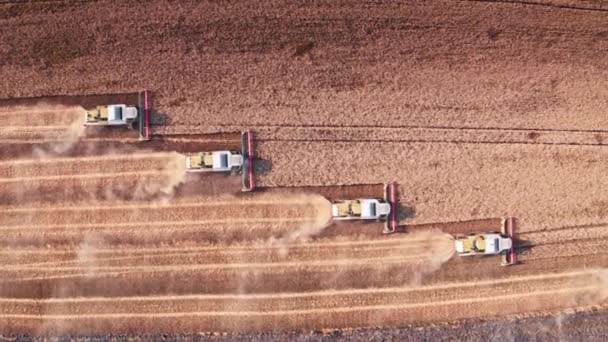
(308, 244)
(80, 263)
(319, 311)
(594, 231)
(32, 129)
(116, 175)
(101, 257)
(105, 158)
(156, 224)
(345, 263)
(426, 127)
(46, 140)
(53, 109)
(321, 293)
(237, 202)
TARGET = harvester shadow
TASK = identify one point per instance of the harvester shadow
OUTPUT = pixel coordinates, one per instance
(522, 247)
(404, 212)
(156, 118)
(262, 167)
(84, 101)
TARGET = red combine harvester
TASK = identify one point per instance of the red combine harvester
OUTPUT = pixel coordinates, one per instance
(370, 209)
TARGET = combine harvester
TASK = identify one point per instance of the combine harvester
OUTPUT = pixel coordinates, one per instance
(384, 209)
(122, 115)
(490, 243)
(227, 161)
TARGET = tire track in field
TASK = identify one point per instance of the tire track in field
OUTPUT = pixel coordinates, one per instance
(566, 249)
(431, 134)
(597, 231)
(564, 242)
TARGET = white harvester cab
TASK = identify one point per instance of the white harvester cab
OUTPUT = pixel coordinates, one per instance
(121, 114)
(111, 115)
(488, 244)
(360, 209)
(217, 161)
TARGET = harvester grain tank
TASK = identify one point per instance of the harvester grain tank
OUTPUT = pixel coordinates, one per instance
(121, 115)
(111, 115)
(238, 162)
(217, 161)
(378, 209)
(492, 243)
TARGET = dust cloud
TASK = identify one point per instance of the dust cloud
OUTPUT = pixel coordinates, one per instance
(86, 253)
(601, 295)
(86, 261)
(320, 208)
(319, 211)
(66, 139)
(438, 248)
(173, 175)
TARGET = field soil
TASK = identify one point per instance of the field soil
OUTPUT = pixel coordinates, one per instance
(477, 109)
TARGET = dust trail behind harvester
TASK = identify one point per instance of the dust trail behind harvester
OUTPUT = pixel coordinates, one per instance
(420, 253)
(174, 175)
(40, 115)
(144, 176)
(440, 249)
(154, 219)
(61, 124)
(322, 217)
(65, 141)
